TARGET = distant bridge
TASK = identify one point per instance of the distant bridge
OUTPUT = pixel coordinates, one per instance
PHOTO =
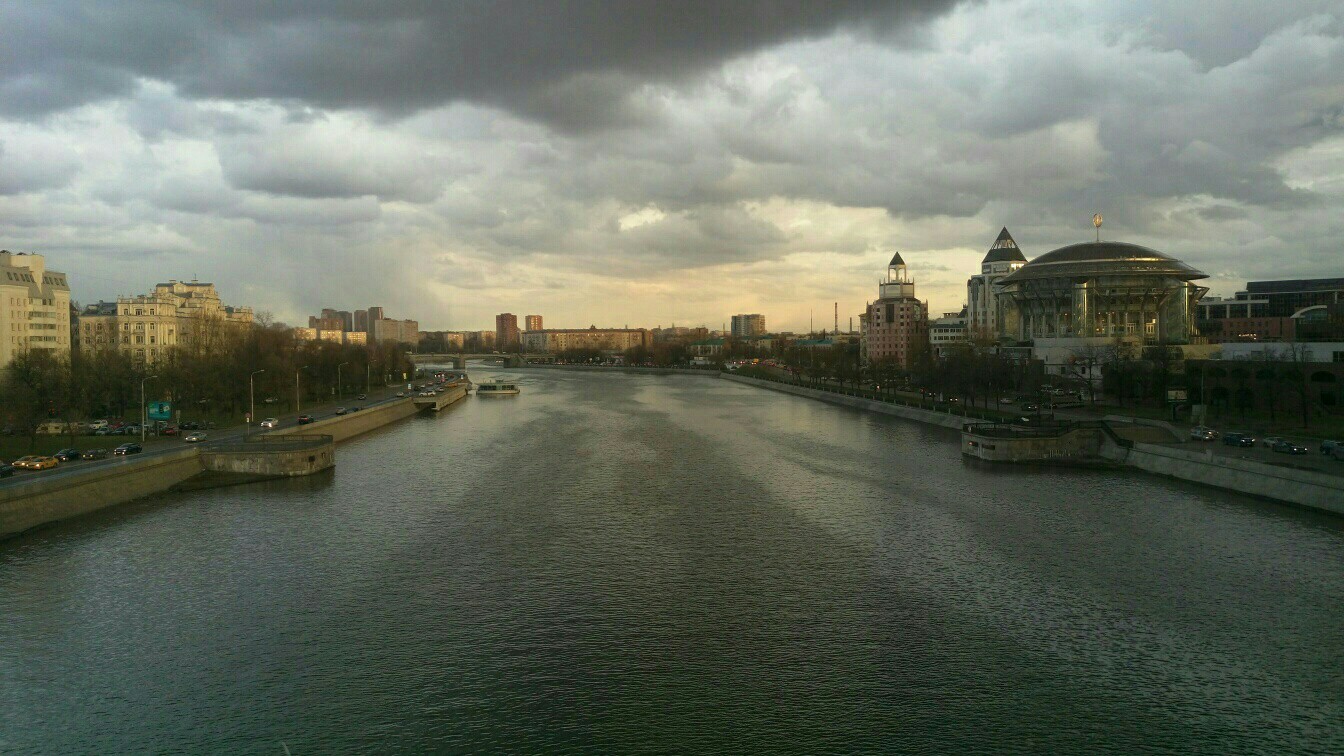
(459, 361)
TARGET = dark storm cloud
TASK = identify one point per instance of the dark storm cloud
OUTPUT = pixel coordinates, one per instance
(567, 62)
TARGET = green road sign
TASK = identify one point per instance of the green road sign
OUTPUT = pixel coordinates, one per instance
(160, 410)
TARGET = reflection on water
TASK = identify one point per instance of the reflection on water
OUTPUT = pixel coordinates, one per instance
(635, 562)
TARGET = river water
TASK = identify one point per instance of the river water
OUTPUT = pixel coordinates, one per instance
(639, 563)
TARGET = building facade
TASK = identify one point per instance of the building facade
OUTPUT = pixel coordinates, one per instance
(388, 331)
(532, 323)
(982, 301)
(748, 326)
(948, 332)
(506, 331)
(34, 307)
(897, 323)
(147, 326)
(555, 341)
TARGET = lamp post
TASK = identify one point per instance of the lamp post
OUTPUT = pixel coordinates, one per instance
(339, 393)
(368, 386)
(297, 407)
(143, 415)
(252, 399)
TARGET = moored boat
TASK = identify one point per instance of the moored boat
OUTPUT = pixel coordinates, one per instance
(497, 388)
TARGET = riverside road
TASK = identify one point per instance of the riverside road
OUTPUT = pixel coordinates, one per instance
(617, 562)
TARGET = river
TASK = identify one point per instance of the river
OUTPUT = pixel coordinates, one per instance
(615, 562)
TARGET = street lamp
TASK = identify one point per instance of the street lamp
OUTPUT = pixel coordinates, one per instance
(368, 386)
(339, 394)
(252, 399)
(143, 415)
(297, 408)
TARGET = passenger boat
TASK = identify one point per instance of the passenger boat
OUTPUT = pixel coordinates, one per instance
(497, 388)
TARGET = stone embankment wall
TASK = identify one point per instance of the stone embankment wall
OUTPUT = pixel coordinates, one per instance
(909, 413)
(1305, 487)
(344, 427)
(271, 462)
(42, 500)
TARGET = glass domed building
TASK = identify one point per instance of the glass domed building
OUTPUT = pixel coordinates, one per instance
(1101, 289)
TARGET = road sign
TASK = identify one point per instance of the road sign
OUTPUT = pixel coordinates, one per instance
(160, 410)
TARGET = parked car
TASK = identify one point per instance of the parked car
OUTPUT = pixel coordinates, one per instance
(305, 419)
(195, 437)
(1269, 441)
(270, 422)
(169, 431)
(1235, 438)
(362, 397)
(401, 394)
(66, 455)
(42, 463)
(97, 425)
(1288, 447)
(127, 449)
(1203, 433)
(1328, 446)
(6, 470)
(93, 454)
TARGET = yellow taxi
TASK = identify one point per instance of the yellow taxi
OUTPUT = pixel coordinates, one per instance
(43, 463)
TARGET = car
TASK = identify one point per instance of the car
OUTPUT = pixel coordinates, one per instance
(1328, 446)
(270, 400)
(93, 454)
(66, 455)
(42, 463)
(1235, 438)
(127, 449)
(401, 394)
(1284, 446)
(104, 432)
(1203, 433)
(1269, 441)
(341, 410)
(356, 408)
(305, 419)
(22, 463)
(1030, 407)
(1006, 400)
(169, 431)
(195, 437)
(270, 422)
(6, 470)
(362, 397)
(97, 425)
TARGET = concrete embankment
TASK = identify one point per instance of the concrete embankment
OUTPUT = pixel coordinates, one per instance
(42, 500)
(1304, 487)
(270, 457)
(909, 413)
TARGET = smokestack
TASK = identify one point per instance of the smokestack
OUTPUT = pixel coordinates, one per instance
(837, 318)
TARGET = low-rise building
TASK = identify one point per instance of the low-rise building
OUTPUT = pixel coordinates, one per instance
(947, 332)
(557, 340)
(176, 314)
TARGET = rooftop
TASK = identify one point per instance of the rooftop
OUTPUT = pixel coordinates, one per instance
(1090, 259)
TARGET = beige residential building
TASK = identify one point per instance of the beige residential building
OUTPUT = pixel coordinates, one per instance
(177, 314)
(554, 341)
(34, 307)
(385, 330)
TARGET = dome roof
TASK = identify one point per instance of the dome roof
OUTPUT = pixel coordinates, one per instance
(1090, 259)
(1004, 249)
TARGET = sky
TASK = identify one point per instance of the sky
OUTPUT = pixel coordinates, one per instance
(649, 164)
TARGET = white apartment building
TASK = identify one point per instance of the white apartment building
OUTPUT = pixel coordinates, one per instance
(34, 307)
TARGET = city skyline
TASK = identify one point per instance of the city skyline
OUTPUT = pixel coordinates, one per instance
(734, 167)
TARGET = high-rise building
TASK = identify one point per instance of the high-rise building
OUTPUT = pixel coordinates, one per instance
(982, 302)
(325, 323)
(559, 340)
(747, 326)
(34, 307)
(177, 313)
(532, 323)
(347, 320)
(362, 321)
(399, 331)
(897, 322)
(375, 313)
(506, 331)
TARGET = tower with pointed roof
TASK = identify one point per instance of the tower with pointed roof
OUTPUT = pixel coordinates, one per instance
(896, 323)
(983, 309)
